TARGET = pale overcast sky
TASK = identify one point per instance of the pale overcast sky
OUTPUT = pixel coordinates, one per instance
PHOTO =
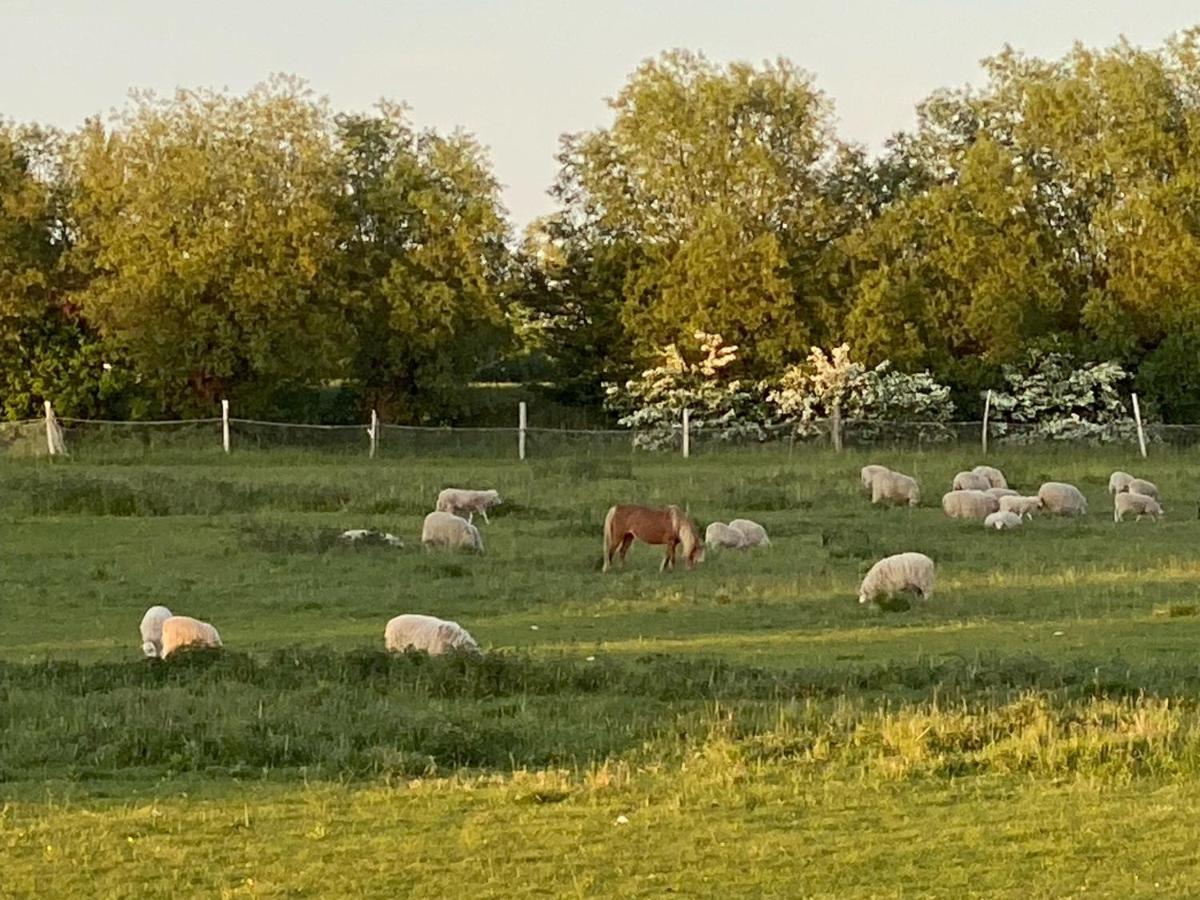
(518, 74)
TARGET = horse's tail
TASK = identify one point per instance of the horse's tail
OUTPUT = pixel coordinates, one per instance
(609, 527)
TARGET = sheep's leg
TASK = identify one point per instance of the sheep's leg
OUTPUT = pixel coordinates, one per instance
(470, 515)
(483, 512)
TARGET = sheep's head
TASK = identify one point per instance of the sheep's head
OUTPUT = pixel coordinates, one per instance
(150, 649)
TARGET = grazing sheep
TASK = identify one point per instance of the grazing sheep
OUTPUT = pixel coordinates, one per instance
(1002, 521)
(1119, 481)
(1002, 492)
(152, 623)
(970, 481)
(895, 488)
(994, 476)
(1140, 504)
(368, 536)
(755, 534)
(1143, 487)
(443, 529)
(904, 572)
(460, 500)
(718, 534)
(869, 473)
(1062, 499)
(1021, 506)
(184, 631)
(429, 633)
(969, 504)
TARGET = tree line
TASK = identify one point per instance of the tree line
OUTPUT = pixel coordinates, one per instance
(269, 249)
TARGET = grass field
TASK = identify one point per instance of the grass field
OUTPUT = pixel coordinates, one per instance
(744, 729)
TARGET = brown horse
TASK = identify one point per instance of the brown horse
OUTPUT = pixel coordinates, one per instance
(669, 526)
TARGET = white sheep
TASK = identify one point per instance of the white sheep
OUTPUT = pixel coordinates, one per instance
(1021, 506)
(443, 529)
(970, 481)
(1119, 481)
(904, 572)
(1140, 504)
(184, 631)
(1143, 487)
(969, 504)
(895, 488)
(1002, 492)
(994, 476)
(151, 629)
(1062, 499)
(718, 534)
(755, 534)
(428, 633)
(461, 500)
(1002, 521)
(368, 535)
(869, 474)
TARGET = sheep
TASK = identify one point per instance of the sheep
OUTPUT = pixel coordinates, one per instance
(755, 534)
(151, 629)
(1002, 492)
(1119, 481)
(1002, 521)
(443, 529)
(969, 504)
(1021, 506)
(970, 481)
(1143, 487)
(369, 536)
(460, 500)
(429, 633)
(911, 572)
(1062, 499)
(869, 473)
(895, 488)
(1141, 504)
(994, 476)
(184, 631)
(718, 534)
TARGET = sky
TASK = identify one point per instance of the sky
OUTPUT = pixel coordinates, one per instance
(520, 74)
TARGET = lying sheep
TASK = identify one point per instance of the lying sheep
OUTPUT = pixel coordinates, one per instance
(1143, 487)
(1002, 521)
(461, 500)
(443, 529)
(369, 536)
(1140, 504)
(869, 474)
(1021, 506)
(1002, 492)
(969, 504)
(429, 633)
(1119, 481)
(904, 572)
(755, 534)
(184, 631)
(970, 481)
(994, 476)
(151, 628)
(895, 488)
(718, 534)
(1062, 499)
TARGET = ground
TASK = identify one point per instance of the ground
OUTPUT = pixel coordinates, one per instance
(744, 729)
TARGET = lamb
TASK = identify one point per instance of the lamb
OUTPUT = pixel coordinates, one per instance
(1119, 481)
(869, 473)
(443, 529)
(970, 481)
(1143, 487)
(969, 504)
(904, 572)
(369, 536)
(994, 476)
(1002, 492)
(429, 633)
(1021, 506)
(1002, 521)
(184, 631)
(461, 500)
(718, 534)
(895, 488)
(1140, 504)
(755, 534)
(151, 628)
(1062, 499)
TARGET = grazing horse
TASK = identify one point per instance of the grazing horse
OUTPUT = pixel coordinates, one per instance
(669, 526)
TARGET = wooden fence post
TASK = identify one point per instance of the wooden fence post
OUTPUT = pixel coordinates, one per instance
(687, 433)
(374, 431)
(522, 420)
(987, 408)
(225, 425)
(835, 425)
(1137, 417)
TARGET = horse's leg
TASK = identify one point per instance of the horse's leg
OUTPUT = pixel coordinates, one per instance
(668, 558)
(626, 543)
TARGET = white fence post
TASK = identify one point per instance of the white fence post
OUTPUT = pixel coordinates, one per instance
(1137, 417)
(687, 433)
(55, 446)
(835, 425)
(374, 431)
(522, 414)
(987, 408)
(225, 425)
